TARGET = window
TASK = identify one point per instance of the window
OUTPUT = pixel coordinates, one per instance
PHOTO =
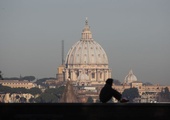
(100, 75)
(93, 75)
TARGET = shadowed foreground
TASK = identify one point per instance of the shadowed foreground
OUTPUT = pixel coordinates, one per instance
(78, 111)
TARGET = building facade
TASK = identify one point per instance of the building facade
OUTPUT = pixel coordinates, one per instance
(18, 84)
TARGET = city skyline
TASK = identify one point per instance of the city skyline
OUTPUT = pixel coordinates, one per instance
(134, 34)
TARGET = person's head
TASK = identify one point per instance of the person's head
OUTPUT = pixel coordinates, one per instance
(109, 81)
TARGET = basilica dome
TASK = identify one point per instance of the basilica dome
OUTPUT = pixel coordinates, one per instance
(86, 61)
(86, 51)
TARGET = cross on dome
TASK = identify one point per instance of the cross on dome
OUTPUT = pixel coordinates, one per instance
(86, 21)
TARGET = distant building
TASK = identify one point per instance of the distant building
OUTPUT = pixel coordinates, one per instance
(18, 84)
(148, 93)
(60, 73)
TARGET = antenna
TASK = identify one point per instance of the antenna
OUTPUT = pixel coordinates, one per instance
(62, 52)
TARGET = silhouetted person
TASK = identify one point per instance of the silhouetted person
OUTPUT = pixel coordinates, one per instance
(107, 92)
(1, 78)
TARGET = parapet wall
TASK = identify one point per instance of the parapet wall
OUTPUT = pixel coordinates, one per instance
(81, 111)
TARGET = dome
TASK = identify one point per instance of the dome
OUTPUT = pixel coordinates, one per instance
(86, 51)
(130, 77)
(86, 61)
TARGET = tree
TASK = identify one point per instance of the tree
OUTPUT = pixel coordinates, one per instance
(32, 100)
(51, 95)
(46, 98)
(116, 82)
(97, 101)
(23, 100)
(34, 91)
(29, 78)
(90, 100)
(130, 94)
(164, 95)
(19, 90)
(12, 78)
(5, 89)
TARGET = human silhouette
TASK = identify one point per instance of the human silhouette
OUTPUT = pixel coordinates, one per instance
(107, 92)
(1, 78)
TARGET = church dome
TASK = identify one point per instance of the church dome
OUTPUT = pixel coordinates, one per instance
(86, 61)
(130, 78)
(86, 51)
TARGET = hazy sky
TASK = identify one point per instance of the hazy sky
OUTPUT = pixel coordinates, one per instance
(135, 34)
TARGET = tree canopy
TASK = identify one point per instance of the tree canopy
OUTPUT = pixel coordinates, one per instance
(130, 93)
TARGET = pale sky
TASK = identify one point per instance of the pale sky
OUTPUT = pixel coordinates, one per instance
(135, 34)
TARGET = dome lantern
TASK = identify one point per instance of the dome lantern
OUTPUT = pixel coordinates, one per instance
(86, 33)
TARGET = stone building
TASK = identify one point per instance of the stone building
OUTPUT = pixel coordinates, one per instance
(86, 61)
(18, 84)
(148, 93)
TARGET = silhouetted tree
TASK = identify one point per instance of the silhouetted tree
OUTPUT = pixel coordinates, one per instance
(97, 101)
(19, 90)
(46, 98)
(12, 78)
(164, 95)
(90, 100)
(29, 78)
(22, 100)
(50, 95)
(5, 89)
(32, 100)
(130, 94)
(34, 91)
(116, 82)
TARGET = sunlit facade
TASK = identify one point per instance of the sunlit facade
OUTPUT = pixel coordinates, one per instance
(18, 84)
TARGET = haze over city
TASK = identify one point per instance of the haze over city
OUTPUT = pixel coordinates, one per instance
(135, 34)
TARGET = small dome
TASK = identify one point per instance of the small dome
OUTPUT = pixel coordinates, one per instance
(130, 78)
